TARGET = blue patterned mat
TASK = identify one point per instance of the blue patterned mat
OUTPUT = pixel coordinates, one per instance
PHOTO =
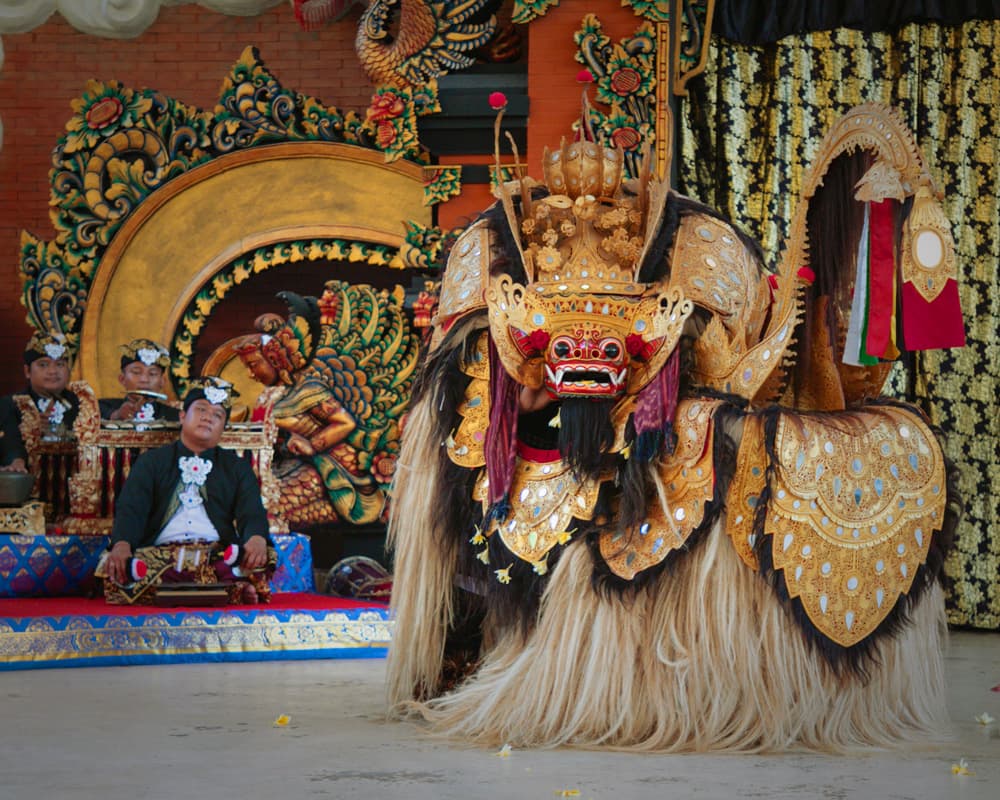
(41, 633)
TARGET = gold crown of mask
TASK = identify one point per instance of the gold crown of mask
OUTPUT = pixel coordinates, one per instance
(584, 325)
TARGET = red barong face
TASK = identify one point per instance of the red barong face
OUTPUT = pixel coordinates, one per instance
(586, 362)
(583, 344)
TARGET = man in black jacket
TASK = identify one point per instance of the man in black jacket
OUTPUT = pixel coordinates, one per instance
(144, 365)
(190, 512)
(46, 368)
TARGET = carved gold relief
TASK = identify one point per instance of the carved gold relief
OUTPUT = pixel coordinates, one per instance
(546, 497)
(687, 476)
(27, 519)
(852, 510)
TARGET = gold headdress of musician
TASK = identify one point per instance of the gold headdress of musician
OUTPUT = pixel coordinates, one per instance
(145, 351)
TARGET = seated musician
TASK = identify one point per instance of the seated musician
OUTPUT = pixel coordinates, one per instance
(46, 366)
(191, 512)
(143, 375)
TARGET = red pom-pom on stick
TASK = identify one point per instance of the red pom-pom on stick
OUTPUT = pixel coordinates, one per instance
(498, 101)
(584, 76)
(807, 275)
(231, 555)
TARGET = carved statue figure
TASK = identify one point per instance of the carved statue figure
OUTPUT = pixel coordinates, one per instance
(649, 496)
(430, 39)
(342, 368)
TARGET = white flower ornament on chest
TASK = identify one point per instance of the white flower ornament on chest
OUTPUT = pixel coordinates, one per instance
(53, 410)
(194, 470)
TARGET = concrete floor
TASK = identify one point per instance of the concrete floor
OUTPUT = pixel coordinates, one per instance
(207, 731)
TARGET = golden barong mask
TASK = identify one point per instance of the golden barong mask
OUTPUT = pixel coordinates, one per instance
(583, 325)
(577, 343)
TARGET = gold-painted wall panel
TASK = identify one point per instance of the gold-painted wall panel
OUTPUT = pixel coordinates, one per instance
(184, 233)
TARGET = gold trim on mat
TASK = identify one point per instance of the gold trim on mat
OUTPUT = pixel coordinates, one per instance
(82, 640)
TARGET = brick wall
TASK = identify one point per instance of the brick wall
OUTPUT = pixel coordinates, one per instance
(553, 93)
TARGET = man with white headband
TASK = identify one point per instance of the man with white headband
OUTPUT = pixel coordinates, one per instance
(46, 367)
(144, 365)
(191, 513)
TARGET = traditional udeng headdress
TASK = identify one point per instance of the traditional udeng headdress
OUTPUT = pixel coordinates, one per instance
(145, 351)
(46, 345)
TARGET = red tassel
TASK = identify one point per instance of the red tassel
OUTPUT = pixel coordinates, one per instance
(657, 402)
(501, 435)
(882, 274)
(671, 387)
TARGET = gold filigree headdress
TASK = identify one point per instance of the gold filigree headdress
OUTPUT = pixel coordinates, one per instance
(583, 324)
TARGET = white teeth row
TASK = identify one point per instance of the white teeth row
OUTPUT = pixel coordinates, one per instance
(617, 376)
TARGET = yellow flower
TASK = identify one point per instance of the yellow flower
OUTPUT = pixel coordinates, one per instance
(504, 752)
(478, 538)
(540, 567)
(282, 720)
(484, 556)
(565, 536)
(961, 768)
(503, 575)
(528, 226)
(549, 258)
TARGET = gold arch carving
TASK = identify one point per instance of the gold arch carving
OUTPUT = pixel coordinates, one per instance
(184, 233)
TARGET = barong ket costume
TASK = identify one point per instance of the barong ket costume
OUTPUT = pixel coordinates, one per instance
(715, 535)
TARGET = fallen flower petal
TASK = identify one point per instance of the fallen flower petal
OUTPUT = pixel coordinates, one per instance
(961, 768)
(504, 751)
(985, 719)
(282, 720)
(568, 792)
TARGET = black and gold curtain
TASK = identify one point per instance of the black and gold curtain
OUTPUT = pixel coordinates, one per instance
(748, 131)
